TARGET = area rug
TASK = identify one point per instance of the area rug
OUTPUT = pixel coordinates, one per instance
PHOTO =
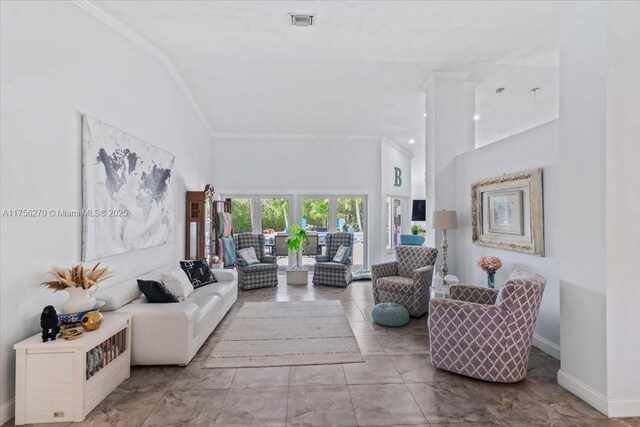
(286, 333)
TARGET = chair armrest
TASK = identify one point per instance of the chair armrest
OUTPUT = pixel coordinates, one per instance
(423, 275)
(348, 261)
(473, 294)
(384, 269)
(240, 262)
(269, 259)
(322, 258)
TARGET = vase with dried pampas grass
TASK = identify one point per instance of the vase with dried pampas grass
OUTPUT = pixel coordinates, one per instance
(78, 282)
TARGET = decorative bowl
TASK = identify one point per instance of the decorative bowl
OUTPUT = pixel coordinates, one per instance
(77, 317)
(92, 320)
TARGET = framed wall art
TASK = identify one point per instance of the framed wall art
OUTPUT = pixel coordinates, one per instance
(507, 212)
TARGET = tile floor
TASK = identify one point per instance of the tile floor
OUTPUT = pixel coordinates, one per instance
(396, 386)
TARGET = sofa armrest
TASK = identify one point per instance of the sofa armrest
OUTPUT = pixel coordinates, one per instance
(474, 294)
(384, 269)
(224, 275)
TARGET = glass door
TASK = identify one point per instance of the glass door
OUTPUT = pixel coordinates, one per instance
(241, 215)
(350, 218)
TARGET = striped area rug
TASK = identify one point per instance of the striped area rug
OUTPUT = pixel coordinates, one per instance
(286, 334)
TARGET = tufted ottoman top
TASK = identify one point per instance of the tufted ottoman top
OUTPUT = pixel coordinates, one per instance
(390, 314)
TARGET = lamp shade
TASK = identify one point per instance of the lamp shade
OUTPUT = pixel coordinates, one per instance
(444, 220)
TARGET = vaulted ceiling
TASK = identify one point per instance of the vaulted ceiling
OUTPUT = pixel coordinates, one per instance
(357, 71)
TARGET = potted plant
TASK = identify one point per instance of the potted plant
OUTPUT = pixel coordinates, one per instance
(296, 274)
(78, 282)
(416, 229)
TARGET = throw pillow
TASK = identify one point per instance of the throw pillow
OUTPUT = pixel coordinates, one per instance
(198, 272)
(249, 256)
(341, 254)
(156, 292)
(177, 283)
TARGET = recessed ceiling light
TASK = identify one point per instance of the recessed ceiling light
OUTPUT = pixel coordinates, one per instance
(412, 141)
(425, 114)
(302, 19)
(476, 117)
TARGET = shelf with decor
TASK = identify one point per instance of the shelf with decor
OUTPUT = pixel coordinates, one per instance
(62, 381)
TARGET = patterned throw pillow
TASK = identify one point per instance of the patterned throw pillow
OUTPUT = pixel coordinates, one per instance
(341, 254)
(156, 292)
(198, 272)
(249, 256)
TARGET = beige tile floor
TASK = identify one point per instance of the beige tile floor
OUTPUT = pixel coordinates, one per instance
(396, 386)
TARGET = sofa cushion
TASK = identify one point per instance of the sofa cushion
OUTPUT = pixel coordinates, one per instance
(259, 267)
(209, 307)
(395, 284)
(225, 290)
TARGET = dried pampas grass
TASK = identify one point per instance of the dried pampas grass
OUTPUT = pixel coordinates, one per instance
(76, 277)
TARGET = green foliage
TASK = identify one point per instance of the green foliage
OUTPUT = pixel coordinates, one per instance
(416, 229)
(297, 238)
(352, 211)
(275, 214)
(241, 215)
(316, 212)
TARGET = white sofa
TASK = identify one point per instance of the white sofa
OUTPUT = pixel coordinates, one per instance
(172, 333)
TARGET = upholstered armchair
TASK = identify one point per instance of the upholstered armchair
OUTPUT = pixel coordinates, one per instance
(262, 275)
(484, 333)
(406, 280)
(330, 273)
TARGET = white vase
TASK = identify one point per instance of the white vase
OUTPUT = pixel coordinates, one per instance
(79, 300)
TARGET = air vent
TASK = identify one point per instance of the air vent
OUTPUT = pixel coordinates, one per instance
(302, 19)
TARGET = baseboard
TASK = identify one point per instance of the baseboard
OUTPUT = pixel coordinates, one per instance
(546, 346)
(584, 392)
(7, 410)
(624, 407)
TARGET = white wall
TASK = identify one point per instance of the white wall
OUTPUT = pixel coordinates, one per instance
(392, 157)
(311, 165)
(623, 208)
(534, 148)
(58, 61)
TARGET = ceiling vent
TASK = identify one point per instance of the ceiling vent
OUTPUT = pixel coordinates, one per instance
(302, 19)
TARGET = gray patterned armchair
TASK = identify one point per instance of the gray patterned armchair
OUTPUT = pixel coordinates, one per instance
(327, 272)
(262, 275)
(406, 281)
(484, 333)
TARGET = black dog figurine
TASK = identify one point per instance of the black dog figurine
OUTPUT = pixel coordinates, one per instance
(49, 323)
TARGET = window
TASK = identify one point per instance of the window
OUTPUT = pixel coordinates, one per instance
(394, 209)
(315, 214)
(350, 218)
(274, 214)
(241, 215)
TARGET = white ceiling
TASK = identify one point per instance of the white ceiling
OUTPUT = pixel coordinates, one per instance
(358, 70)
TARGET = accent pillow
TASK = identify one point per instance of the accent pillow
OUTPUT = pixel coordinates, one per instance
(177, 283)
(249, 256)
(198, 272)
(341, 254)
(156, 292)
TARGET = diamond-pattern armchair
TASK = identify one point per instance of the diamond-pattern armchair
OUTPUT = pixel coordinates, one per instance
(329, 273)
(484, 333)
(406, 281)
(262, 275)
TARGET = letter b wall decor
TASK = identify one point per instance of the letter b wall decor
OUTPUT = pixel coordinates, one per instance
(398, 177)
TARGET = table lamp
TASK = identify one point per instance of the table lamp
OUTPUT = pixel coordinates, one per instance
(444, 220)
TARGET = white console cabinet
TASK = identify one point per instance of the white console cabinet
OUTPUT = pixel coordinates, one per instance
(60, 380)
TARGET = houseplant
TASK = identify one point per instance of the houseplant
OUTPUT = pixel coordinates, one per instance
(416, 229)
(78, 282)
(295, 242)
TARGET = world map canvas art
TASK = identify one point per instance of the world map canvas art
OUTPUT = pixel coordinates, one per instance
(126, 187)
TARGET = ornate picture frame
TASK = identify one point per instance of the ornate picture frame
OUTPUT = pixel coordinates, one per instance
(507, 212)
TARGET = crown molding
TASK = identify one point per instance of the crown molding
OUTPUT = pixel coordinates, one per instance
(443, 75)
(391, 143)
(314, 136)
(142, 42)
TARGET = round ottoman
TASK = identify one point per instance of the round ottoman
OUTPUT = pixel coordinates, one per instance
(390, 314)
